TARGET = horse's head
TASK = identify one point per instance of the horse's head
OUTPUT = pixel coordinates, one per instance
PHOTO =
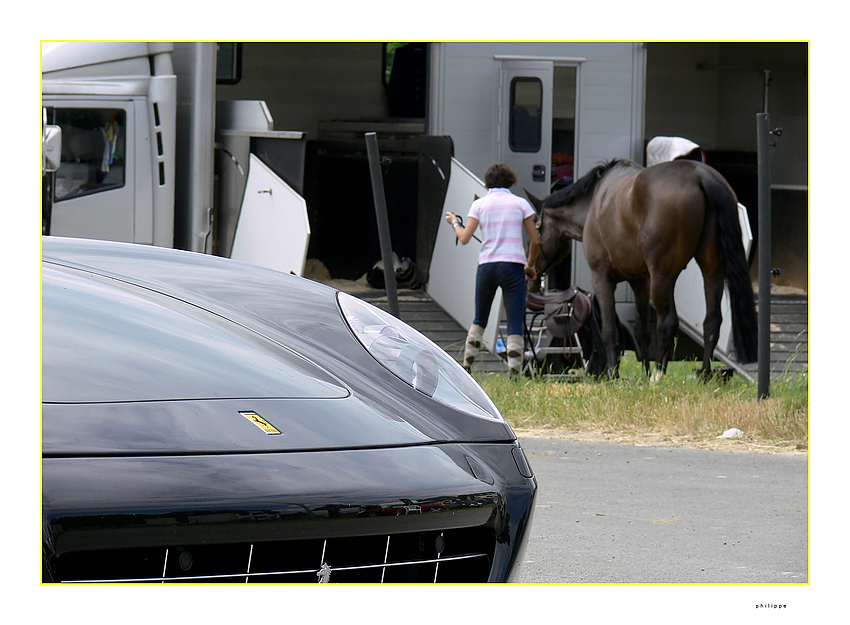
(553, 242)
(562, 215)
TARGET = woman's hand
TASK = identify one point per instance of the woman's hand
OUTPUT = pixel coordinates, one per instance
(466, 232)
(531, 272)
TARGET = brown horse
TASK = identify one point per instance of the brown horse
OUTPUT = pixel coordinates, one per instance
(642, 226)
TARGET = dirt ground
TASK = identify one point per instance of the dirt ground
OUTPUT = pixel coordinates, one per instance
(648, 439)
(776, 289)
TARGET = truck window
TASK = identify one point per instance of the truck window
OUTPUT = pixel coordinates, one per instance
(93, 151)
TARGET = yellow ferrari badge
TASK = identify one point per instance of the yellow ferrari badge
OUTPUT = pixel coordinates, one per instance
(261, 423)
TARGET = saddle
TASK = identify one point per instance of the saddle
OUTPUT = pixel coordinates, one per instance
(564, 312)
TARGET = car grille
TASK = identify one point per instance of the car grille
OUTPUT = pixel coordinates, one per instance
(451, 556)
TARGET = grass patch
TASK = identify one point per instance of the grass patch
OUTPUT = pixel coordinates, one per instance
(679, 406)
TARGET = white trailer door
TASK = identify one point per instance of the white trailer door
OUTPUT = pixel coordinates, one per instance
(454, 267)
(525, 123)
(273, 229)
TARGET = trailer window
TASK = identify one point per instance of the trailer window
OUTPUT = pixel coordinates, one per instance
(388, 55)
(525, 131)
(228, 69)
(93, 151)
(405, 69)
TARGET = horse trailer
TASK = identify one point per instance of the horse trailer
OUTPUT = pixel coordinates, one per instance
(256, 151)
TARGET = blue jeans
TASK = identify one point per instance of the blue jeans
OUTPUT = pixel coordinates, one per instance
(509, 276)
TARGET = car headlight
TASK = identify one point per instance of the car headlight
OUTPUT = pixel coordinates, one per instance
(415, 358)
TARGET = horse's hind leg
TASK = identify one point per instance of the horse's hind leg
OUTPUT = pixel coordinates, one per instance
(713, 280)
(662, 289)
(642, 336)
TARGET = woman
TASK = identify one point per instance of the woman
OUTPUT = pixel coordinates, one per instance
(501, 261)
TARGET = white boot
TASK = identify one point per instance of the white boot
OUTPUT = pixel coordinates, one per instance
(515, 353)
(473, 345)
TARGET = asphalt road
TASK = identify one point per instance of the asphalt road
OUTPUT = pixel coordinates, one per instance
(611, 513)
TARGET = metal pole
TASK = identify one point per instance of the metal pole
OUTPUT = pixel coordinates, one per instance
(764, 243)
(383, 224)
(766, 89)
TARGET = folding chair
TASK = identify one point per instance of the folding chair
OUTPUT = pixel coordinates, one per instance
(552, 323)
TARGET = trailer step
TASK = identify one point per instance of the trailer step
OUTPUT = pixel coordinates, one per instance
(420, 311)
(789, 352)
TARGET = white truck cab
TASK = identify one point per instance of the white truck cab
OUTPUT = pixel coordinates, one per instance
(109, 112)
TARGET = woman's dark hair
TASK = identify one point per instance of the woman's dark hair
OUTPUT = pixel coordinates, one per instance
(499, 175)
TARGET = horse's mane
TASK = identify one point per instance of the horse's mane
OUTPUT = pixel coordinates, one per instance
(582, 186)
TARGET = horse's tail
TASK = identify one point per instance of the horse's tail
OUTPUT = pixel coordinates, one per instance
(721, 199)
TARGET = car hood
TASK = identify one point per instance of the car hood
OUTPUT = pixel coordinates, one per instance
(152, 351)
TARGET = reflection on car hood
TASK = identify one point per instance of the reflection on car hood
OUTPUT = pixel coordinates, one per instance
(105, 340)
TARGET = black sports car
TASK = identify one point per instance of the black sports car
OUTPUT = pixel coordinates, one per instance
(209, 420)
